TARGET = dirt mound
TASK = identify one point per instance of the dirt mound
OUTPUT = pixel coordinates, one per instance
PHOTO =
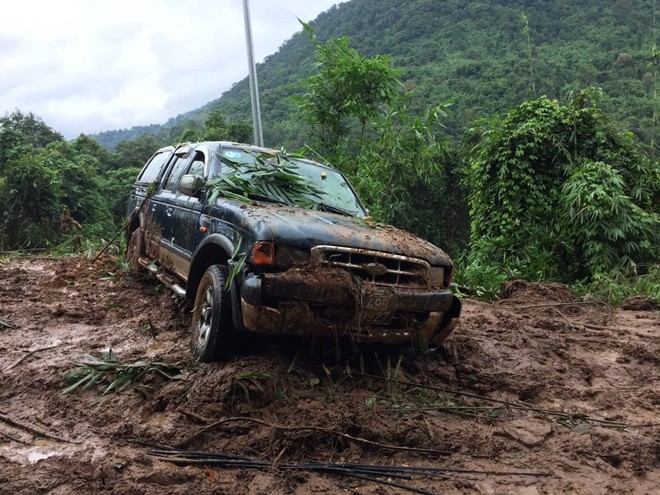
(533, 292)
(640, 303)
(566, 394)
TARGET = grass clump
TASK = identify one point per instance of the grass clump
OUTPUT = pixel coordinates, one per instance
(617, 286)
(112, 375)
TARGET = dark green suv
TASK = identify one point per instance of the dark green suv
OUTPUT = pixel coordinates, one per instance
(261, 242)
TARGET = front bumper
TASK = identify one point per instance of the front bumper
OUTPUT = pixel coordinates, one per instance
(275, 304)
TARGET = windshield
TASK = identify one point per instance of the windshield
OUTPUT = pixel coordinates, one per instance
(337, 192)
(247, 173)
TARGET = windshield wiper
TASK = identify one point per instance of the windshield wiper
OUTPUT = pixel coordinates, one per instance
(333, 209)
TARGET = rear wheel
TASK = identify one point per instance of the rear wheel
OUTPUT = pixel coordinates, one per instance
(213, 334)
(134, 250)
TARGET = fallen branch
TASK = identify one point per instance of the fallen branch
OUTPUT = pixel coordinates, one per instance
(197, 417)
(552, 305)
(34, 430)
(110, 243)
(12, 437)
(5, 324)
(227, 461)
(570, 325)
(328, 431)
(31, 353)
(598, 327)
(278, 458)
(400, 471)
(391, 483)
(513, 405)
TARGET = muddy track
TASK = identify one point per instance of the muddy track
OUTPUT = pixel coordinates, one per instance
(536, 382)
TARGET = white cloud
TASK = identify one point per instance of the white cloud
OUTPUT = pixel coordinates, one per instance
(86, 66)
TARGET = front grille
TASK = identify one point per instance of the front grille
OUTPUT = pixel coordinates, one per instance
(375, 266)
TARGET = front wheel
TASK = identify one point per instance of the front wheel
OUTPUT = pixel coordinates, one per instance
(213, 333)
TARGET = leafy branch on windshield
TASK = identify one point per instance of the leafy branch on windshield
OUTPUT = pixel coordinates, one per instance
(277, 182)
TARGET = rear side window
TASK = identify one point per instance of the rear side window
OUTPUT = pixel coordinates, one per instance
(152, 169)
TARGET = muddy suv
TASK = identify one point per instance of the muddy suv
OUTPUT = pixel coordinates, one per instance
(260, 242)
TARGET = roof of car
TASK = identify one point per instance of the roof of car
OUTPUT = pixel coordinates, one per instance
(251, 147)
(231, 144)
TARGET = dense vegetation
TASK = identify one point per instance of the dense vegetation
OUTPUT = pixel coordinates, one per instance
(50, 188)
(557, 188)
(559, 191)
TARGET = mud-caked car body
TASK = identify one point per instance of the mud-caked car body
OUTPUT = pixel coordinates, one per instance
(310, 263)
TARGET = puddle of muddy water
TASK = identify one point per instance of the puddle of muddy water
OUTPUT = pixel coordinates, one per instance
(30, 454)
(92, 450)
(603, 356)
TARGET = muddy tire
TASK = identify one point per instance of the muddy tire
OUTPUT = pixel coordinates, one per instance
(134, 250)
(213, 334)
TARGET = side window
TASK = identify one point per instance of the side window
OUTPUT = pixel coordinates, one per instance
(176, 172)
(152, 168)
(197, 166)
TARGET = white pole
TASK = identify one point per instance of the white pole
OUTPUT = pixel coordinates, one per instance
(254, 86)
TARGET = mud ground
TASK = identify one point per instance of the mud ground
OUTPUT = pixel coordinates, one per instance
(537, 382)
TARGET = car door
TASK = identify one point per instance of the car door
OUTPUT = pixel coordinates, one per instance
(185, 214)
(162, 231)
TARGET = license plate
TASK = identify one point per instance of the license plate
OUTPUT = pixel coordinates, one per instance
(379, 303)
(377, 309)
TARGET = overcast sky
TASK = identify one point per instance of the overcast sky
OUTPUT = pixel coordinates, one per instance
(86, 66)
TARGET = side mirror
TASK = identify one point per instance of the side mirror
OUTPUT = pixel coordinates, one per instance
(190, 184)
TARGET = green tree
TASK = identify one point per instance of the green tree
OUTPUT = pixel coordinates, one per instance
(31, 128)
(47, 185)
(240, 131)
(190, 136)
(85, 145)
(607, 228)
(79, 188)
(29, 203)
(215, 119)
(560, 191)
(524, 22)
(135, 152)
(398, 160)
(404, 176)
(19, 132)
(215, 125)
(348, 90)
(116, 186)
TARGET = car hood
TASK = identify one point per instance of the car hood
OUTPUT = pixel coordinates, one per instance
(303, 228)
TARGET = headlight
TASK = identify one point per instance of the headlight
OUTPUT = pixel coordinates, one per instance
(263, 254)
(266, 253)
(287, 256)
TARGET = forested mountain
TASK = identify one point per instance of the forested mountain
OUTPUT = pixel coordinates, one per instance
(485, 56)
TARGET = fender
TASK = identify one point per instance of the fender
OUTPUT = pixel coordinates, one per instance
(221, 240)
(216, 248)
